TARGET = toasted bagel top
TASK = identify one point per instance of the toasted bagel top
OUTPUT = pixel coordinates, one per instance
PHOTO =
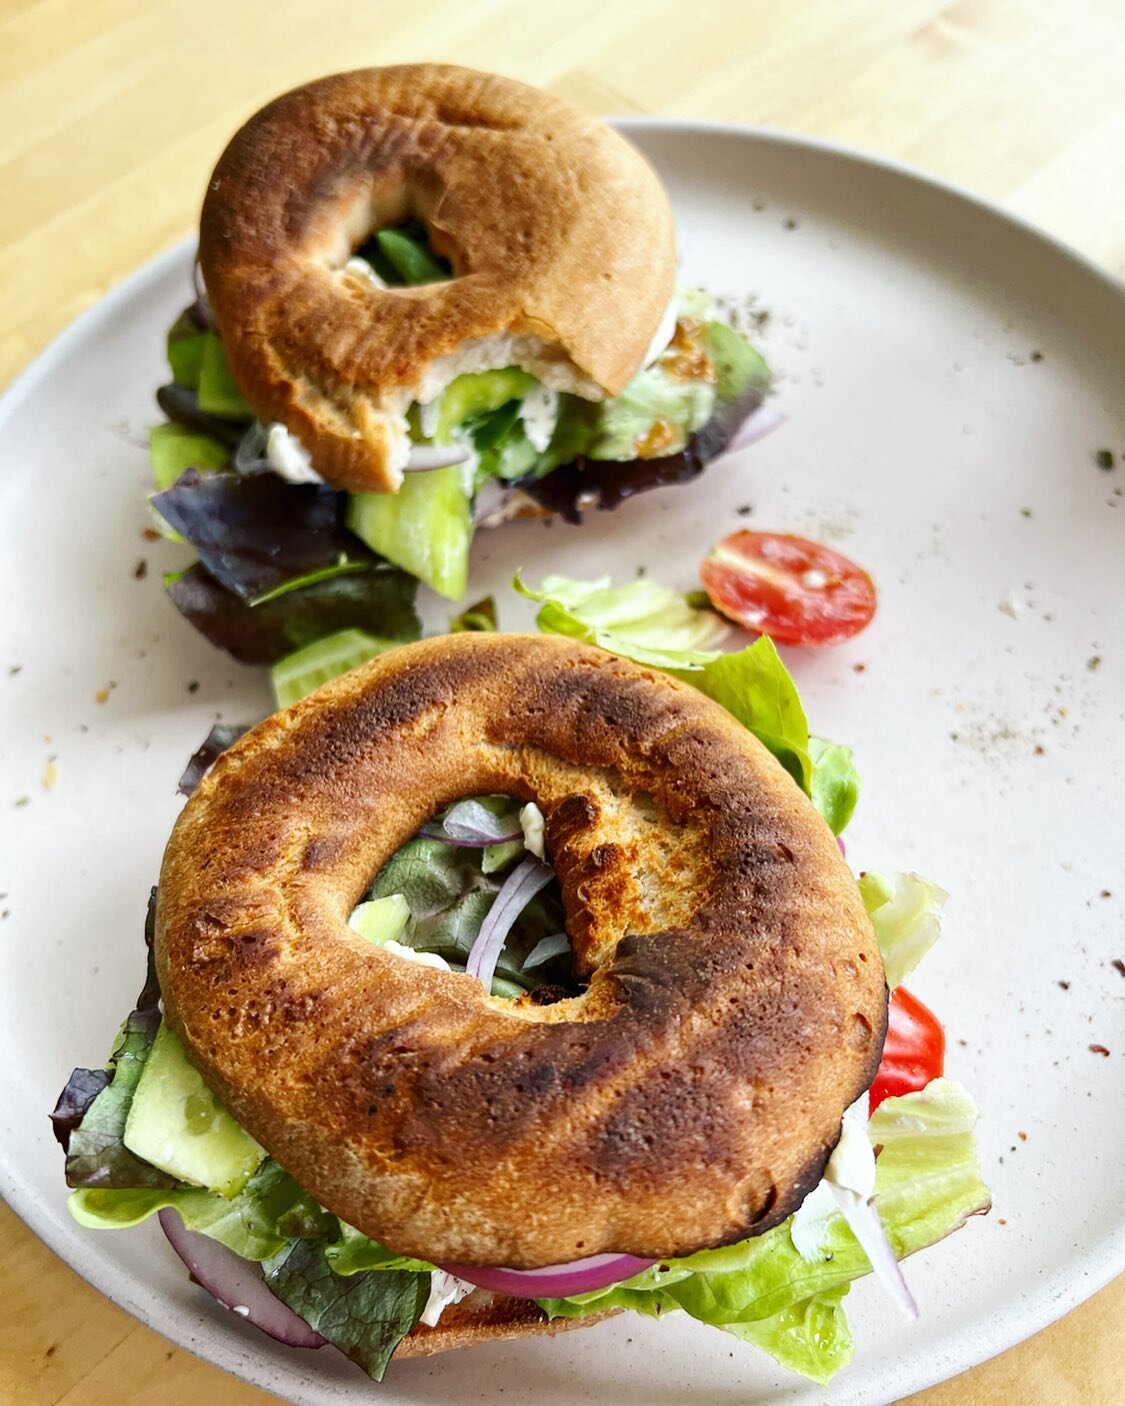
(559, 234)
(687, 1098)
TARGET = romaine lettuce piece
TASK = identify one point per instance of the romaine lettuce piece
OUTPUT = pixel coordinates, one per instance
(656, 626)
(643, 621)
(905, 911)
(739, 368)
(755, 686)
(354, 1253)
(812, 1337)
(654, 414)
(835, 782)
(426, 527)
(268, 1213)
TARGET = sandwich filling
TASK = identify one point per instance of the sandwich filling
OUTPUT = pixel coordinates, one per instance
(490, 436)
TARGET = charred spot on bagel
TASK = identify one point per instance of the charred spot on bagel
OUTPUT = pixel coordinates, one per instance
(320, 851)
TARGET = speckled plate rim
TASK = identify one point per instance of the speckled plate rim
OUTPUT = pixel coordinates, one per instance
(1012, 1322)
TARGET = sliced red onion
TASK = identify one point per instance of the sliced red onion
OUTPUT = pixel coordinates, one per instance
(434, 456)
(555, 1281)
(516, 892)
(469, 825)
(867, 1228)
(842, 847)
(236, 1283)
(756, 426)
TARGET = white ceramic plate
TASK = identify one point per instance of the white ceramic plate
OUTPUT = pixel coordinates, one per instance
(947, 376)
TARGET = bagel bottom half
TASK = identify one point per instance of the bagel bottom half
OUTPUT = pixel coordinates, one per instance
(734, 1002)
(484, 1317)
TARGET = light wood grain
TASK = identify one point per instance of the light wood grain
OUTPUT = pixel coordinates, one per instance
(112, 113)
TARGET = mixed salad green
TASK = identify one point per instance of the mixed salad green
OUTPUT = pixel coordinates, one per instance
(283, 559)
(145, 1136)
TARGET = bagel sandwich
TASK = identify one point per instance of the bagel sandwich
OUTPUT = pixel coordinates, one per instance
(428, 299)
(503, 984)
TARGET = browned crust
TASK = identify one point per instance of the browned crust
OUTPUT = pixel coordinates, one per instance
(557, 229)
(689, 1098)
(484, 1318)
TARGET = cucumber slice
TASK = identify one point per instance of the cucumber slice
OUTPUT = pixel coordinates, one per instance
(381, 920)
(172, 449)
(425, 528)
(306, 669)
(185, 351)
(479, 393)
(218, 394)
(177, 1124)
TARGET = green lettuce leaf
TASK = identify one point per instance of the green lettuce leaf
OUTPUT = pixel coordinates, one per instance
(756, 687)
(644, 621)
(269, 1212)
(365, 1315)
(479, 617)
(96, 1155)
(835, 782)
(739, 369)
(927, 1184)
(654, 625)
(354, 1253)
(654, 394)
(905, 911)
(812, 1337)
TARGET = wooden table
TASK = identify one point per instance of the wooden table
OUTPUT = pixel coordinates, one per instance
(112, 112)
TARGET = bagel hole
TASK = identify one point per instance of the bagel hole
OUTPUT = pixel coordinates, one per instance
(435, 893)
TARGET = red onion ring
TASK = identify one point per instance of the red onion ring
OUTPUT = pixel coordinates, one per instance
(556, 1281)
(515, 893)
(236, 1283)
(469, 825)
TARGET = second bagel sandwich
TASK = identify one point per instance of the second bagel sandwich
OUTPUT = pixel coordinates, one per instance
(502, 984)
(429, 299)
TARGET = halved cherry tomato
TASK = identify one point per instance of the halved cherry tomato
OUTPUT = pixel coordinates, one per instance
(914, 1053)
(787, 587)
